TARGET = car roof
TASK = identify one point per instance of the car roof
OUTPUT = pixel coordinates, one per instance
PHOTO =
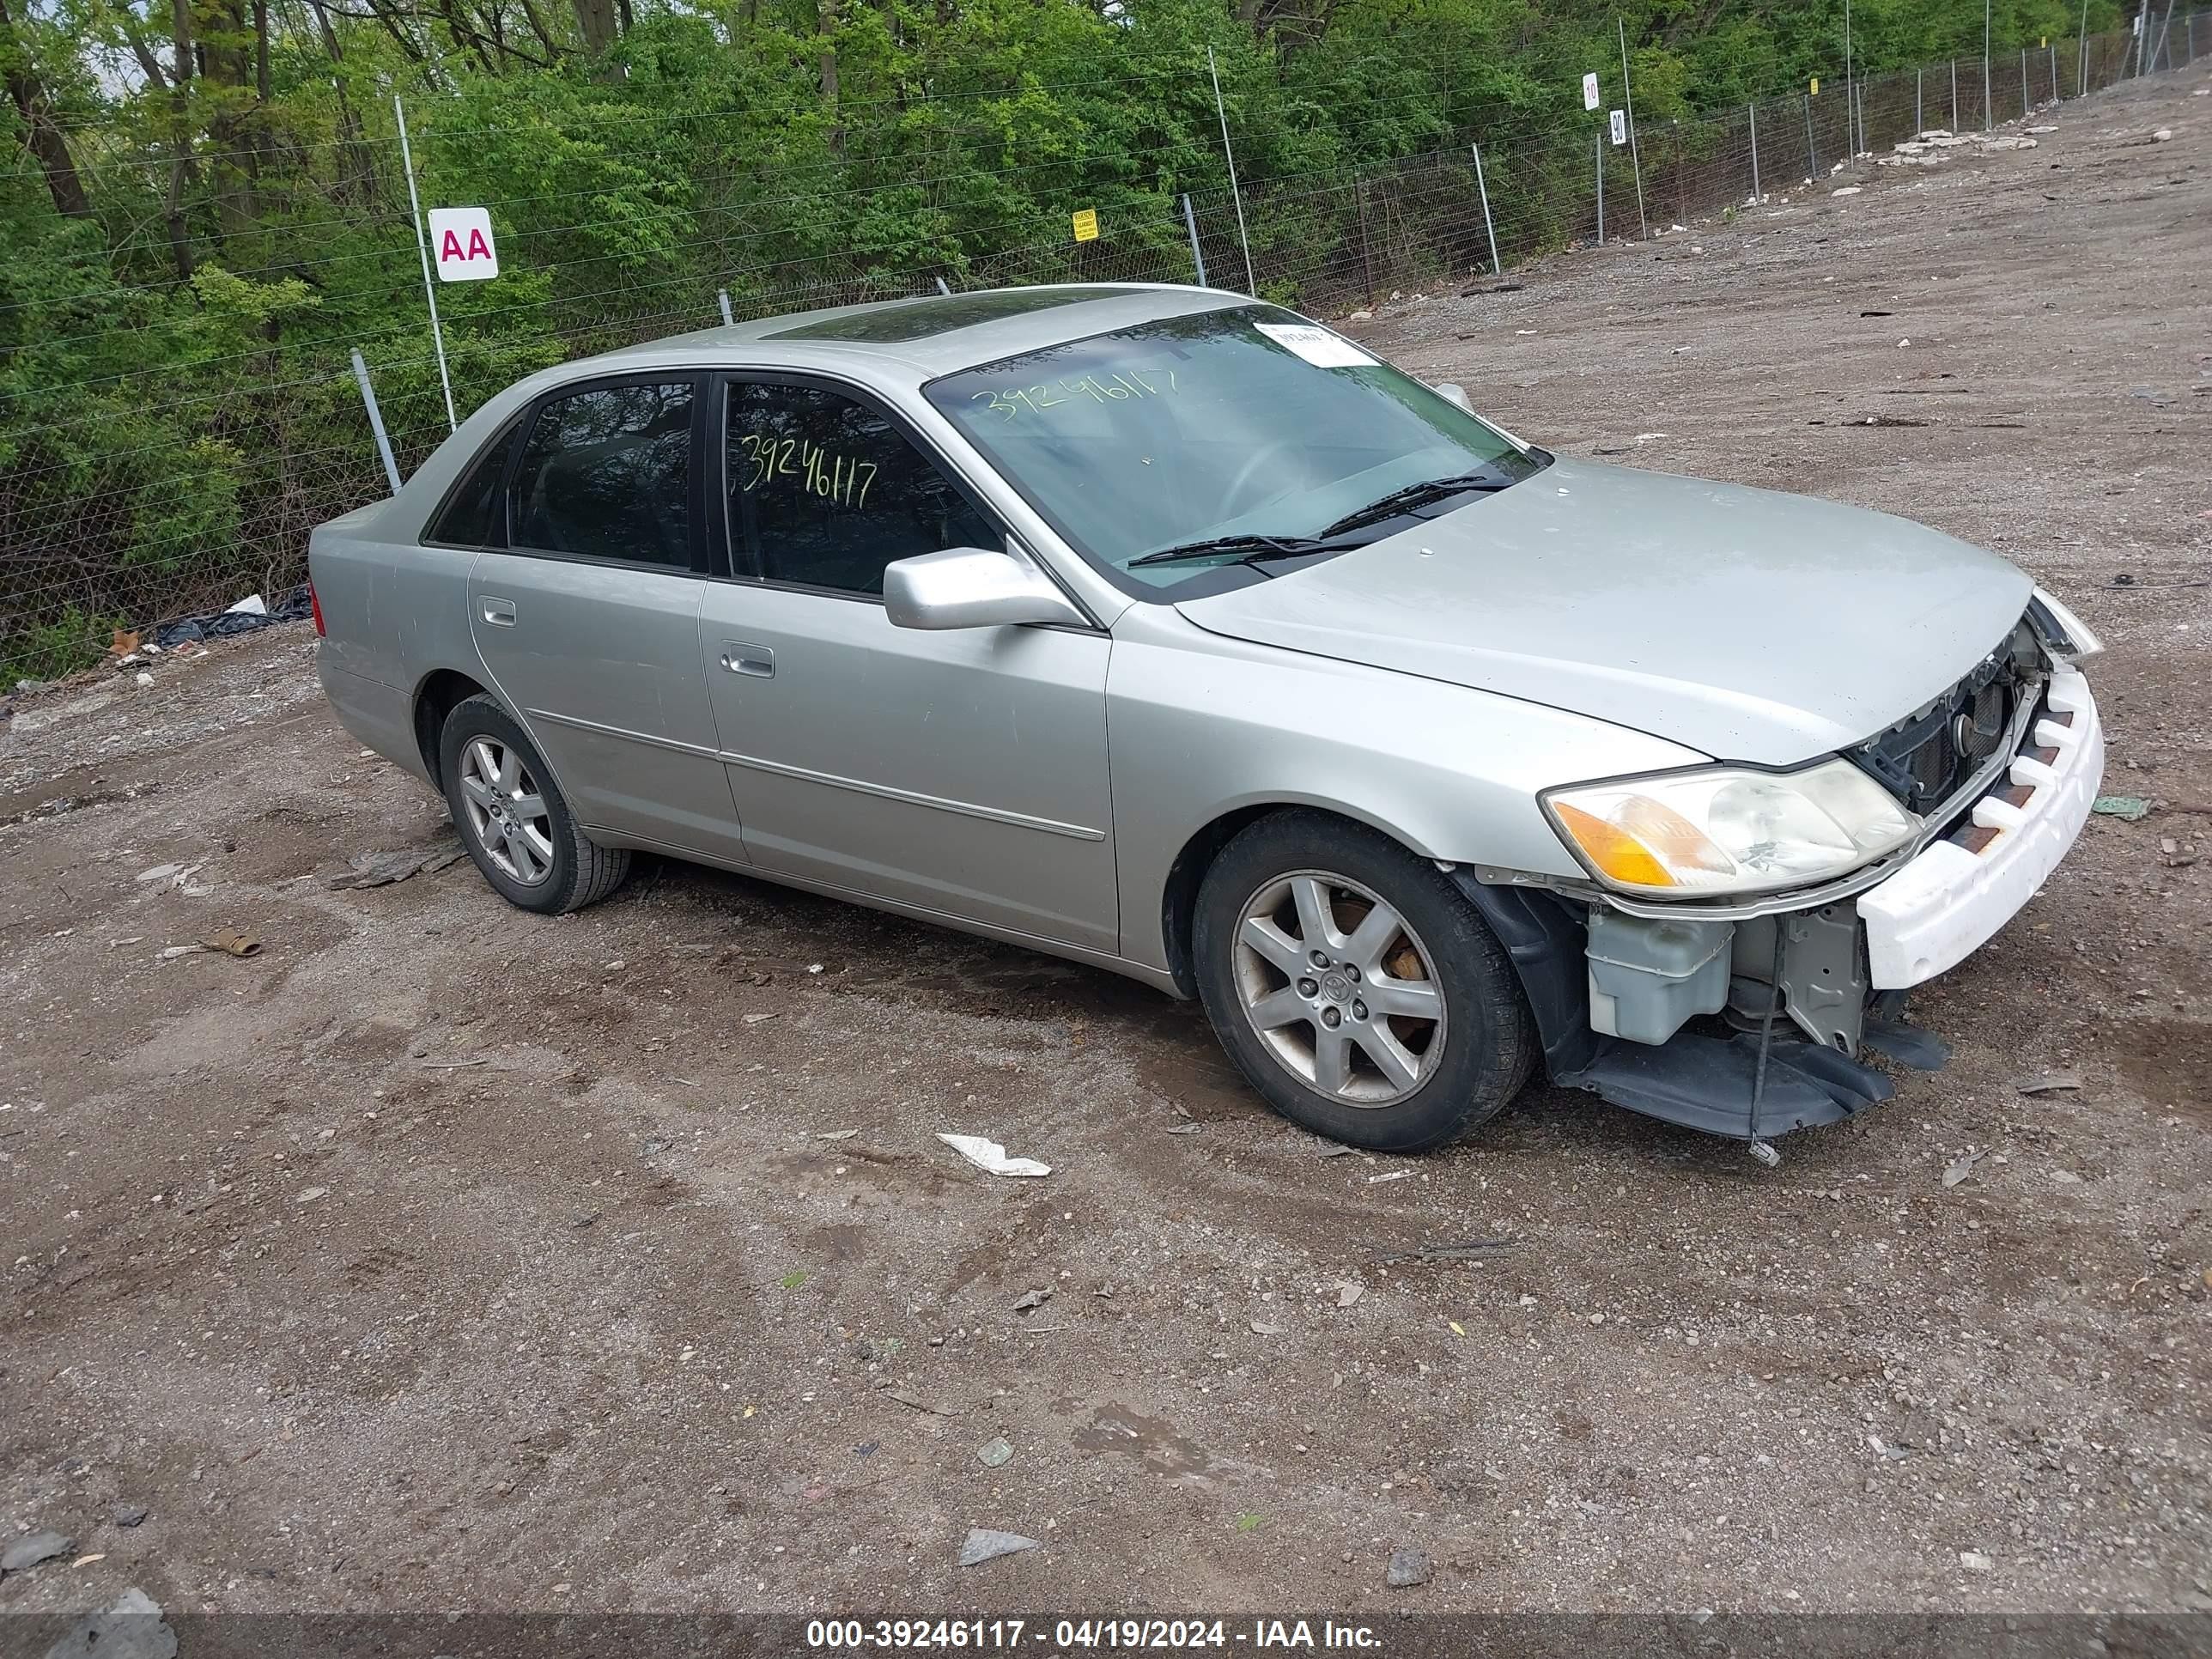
(925, 337)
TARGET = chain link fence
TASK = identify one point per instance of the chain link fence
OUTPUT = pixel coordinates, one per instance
(151, 493)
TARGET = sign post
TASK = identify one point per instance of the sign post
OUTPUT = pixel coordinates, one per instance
(1590, 103)
(422, 247)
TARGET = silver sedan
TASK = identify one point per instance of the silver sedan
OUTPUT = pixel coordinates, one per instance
(1168, 631)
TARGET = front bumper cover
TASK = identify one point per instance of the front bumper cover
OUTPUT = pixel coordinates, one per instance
(1922, 919)
(1951, 899)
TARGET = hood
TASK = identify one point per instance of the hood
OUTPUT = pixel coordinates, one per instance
(1749, 625)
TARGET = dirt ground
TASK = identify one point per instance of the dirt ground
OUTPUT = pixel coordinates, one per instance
(441, 1255)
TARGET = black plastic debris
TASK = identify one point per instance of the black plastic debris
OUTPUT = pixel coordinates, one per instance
(290, 606)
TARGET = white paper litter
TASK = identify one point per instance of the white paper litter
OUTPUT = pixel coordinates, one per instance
(990, 1157)
(250, 605)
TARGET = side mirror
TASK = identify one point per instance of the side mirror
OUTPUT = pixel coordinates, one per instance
(973, 587)
(1452, 393)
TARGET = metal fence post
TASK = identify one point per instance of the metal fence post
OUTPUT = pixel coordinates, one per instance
(1236, 191)
(1197, 254)
(944, 287)
(1916, 126)
(2054, 75)
(2023, 83)
(1600, 136)
(1989, 102)
(1753, 109)
(722, 297)
(375, 420)
(1489, 229)
(1366, 247)
(1850, 118)
(1954, 95)
(422, 247)
(1635, 159)
(1811, 151)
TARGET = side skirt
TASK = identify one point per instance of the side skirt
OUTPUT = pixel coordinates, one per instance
(1158, 980)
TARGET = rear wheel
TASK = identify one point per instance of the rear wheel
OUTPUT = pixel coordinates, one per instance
(1355, 987)
(512, 819)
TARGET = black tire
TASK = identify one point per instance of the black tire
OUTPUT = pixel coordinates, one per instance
(579, 871)
(1490, 1042)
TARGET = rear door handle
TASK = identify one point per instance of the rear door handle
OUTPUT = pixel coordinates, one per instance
(500, 613)
(758, 660)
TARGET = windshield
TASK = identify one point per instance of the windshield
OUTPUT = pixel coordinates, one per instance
(1247, 430)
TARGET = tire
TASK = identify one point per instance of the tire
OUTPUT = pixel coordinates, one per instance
(1438, 978)
(539, 860)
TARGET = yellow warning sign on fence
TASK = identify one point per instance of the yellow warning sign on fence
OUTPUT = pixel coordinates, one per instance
(1086, 225)
(1816, 86)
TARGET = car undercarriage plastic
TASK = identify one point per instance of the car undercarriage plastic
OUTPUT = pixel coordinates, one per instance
(1708, 1083)
(1702, 1082)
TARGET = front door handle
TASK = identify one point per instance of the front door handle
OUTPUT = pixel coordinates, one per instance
(500, 613)
(758, 660)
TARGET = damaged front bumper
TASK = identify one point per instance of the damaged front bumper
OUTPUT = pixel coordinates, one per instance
(1786, 1001)
(1950, 901)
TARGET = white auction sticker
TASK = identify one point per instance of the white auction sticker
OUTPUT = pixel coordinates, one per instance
(461, 243)
(1317, 345)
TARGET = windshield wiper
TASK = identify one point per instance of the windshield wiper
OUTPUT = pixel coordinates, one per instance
(1252, 546)
(1336, 538)
(1418, 495)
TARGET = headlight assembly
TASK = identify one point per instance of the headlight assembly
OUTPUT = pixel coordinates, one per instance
(1728, 829)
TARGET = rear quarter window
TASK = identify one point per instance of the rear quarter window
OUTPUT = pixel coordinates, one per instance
(464, 518)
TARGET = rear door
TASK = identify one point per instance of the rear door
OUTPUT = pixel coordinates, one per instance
(587, 617)
(963, 772)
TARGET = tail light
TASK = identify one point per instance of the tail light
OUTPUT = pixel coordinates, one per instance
(315, 607)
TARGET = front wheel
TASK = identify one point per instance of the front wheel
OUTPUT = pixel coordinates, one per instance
(1355, 987)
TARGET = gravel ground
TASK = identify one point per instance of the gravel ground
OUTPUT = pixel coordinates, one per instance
(440, 1255)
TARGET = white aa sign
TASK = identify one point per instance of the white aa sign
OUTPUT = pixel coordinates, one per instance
(1620, 127)
(1589, 91)
(461, 243)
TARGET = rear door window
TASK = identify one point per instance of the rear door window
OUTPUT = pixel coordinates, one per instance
(826, 492)
(605, 473)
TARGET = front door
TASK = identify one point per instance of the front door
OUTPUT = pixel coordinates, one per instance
(588, 620)
(963, 772)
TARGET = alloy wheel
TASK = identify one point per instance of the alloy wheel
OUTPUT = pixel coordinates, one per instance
(507, 812)
(1340, 988)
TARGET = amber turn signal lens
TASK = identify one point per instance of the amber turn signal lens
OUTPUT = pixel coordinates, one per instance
(1612, 850)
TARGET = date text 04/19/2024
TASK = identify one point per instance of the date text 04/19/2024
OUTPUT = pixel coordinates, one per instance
(1072, 1635)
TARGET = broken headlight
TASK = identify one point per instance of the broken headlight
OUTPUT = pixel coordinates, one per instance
(2065, 633)
(1728, 829)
